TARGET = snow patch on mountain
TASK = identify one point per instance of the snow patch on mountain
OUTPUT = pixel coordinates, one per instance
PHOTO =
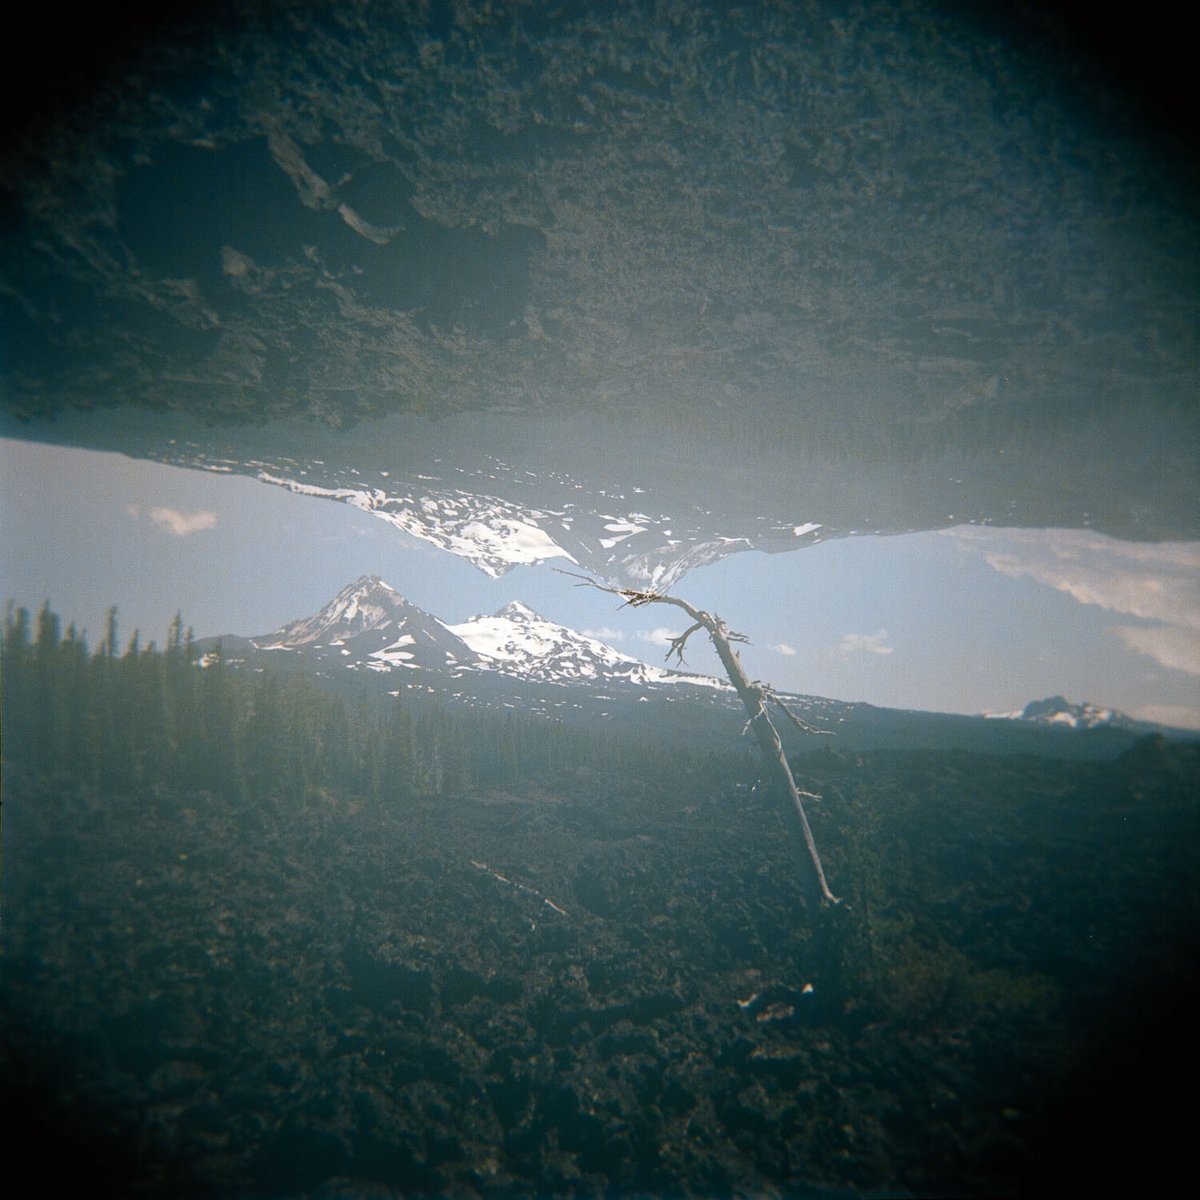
(366, 604)
(622, 529)
(396, 655)
(518, 641)
(1056, 710)
(495, 535)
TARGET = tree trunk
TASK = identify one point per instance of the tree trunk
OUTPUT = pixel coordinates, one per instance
(754, 697)
(816, 889)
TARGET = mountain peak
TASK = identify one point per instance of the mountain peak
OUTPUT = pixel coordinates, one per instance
(515, 610)
(367, 603)
(370, 583)
(1058, 711)
(1049, 707)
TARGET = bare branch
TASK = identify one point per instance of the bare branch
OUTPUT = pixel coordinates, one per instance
(754, 697)
(633, 597)
(678, 643)
(799, 722)
(588, 581)
(637, 599)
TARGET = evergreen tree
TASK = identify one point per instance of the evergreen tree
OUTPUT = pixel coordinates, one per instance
(16, 680)
(170, 718)
(109, 646)
(48, 697)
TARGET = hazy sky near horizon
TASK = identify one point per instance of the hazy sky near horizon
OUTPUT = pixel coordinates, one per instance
(966, 620)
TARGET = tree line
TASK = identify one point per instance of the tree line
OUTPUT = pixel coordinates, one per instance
(125, 720)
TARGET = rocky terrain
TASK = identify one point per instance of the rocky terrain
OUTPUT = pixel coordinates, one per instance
(864, 266)
(596, 986)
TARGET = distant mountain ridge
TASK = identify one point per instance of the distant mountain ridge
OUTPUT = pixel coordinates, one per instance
(370, 626)
(1056, 710)
(515, 659)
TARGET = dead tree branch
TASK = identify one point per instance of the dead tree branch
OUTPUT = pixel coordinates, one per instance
(678, 643)
(754, 697)
(799, 722)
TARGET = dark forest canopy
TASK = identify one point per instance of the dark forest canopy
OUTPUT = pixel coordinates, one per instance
(139, 717)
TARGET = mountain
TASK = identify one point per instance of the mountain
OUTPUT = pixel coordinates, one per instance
(517, 660)
(1057, 711)
(597, 242)
(369, 634)
(369, 626)
(626, 538)
(517, 641)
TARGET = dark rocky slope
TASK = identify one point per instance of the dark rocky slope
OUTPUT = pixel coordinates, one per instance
(600, 988)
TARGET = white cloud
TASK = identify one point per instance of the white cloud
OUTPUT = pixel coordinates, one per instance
(604, 634)
(181, 524)
(866, 643)
(1156, 581)
(784, 648)
(1178, 649)
(661, 636)
(1153, 580)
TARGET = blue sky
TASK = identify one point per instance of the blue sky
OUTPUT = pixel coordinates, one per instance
(964, 620)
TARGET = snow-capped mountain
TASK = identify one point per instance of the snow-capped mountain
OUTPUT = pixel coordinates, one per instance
(369, 626)
(1058, 711)
(515, 659)
(493, 534)
(517, 641)
(634, 547)
(364, 605)
(626, 539)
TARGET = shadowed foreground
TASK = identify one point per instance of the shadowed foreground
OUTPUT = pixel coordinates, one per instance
(598, 987)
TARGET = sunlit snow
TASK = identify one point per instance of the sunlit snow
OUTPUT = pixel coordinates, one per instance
(490, 533)
(395, 654)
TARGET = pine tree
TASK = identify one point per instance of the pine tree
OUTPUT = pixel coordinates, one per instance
(109, 646)
(48, 716)
(16, 681)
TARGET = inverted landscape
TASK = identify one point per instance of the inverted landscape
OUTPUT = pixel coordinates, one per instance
(376, 903)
